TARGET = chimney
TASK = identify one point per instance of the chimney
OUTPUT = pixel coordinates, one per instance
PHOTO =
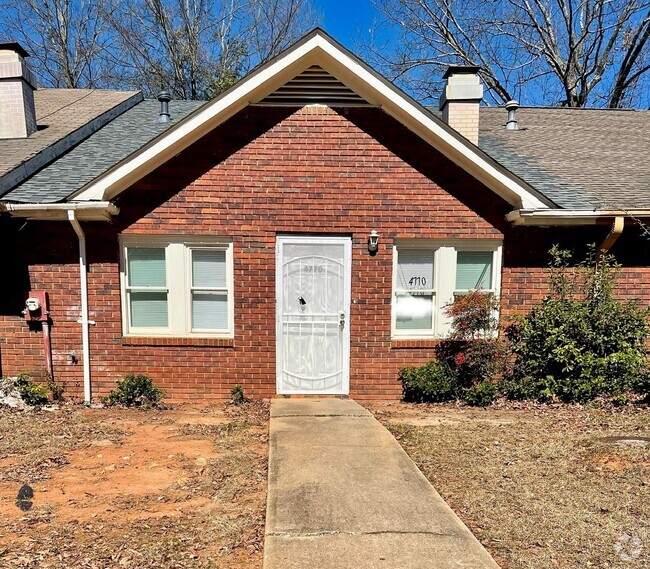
(460, 100)
(17, 86)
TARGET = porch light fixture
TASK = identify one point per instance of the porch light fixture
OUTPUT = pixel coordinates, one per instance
(373, 241)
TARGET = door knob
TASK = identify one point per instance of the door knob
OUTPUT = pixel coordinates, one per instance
(302, 301)
(342, 319)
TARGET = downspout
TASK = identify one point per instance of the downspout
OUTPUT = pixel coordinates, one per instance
(612, 236)
(85, 323)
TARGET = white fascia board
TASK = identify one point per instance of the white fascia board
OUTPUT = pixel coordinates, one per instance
(84, 211)
(317, 50)
(569, 216)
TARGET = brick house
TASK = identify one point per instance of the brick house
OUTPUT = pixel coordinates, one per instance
(299, 234)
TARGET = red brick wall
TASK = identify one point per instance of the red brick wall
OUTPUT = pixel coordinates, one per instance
(270, 171)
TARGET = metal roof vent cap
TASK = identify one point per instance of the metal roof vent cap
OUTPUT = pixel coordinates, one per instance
(511, 107)
(164, 97)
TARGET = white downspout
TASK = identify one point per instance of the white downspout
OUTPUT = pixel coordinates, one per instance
(85, 323)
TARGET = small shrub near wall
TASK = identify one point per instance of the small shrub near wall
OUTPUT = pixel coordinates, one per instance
(467, 362)
(580, 342)
(135, 390)
(434, 382)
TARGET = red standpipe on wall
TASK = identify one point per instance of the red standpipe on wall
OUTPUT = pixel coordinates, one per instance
(37, 309)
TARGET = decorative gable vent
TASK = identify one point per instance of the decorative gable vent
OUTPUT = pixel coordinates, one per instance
(314, 85)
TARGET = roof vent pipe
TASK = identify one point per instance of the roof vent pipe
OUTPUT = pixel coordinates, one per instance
(511, 107)
(164, 97)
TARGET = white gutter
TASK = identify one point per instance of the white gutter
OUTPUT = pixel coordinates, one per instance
(83, 280)
(88, 211)
(569, 216)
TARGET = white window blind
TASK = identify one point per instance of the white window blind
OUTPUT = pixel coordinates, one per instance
(474, 270)
(147, 288)
(414, 295)
(209, 291)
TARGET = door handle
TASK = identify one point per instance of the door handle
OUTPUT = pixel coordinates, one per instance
(342, 320)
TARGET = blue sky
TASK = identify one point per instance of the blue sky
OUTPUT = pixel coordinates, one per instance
(346, 20)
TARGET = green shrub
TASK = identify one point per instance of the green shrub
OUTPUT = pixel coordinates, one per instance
(542, 389)
(135, 391)
(21, 386)
(579, 342)
(55, 389)
(30, 392)
(641, 385)
(434, 382)
(237, 395)
(480, 395)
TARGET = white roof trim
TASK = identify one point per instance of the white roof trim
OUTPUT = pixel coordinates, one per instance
(569, 216)
(84, 211)
(316, 49)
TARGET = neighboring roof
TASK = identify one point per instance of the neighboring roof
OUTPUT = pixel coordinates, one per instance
(579, 158)
(64, 118)
(316, 48)
(99, 152)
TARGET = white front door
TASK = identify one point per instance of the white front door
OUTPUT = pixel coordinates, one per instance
(313, 315)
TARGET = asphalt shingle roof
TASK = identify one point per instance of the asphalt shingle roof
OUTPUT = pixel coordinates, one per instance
(578, 158)
(64, 117)
(99, 152)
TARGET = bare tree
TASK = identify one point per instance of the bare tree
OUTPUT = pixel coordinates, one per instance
(570, 52)
(68, 39)
(198, 48)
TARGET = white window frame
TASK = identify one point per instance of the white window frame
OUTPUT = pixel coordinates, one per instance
(178, 266)
(444, 275)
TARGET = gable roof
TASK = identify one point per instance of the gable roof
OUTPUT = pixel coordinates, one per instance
(99, 152)
(64, 118)
(316, 48)
(580, 158)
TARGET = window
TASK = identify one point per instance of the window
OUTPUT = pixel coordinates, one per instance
(429, 274)
(178, 288)
(474, 270)
(414, 293)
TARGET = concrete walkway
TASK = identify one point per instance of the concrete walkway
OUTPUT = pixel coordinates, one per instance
(344, 494)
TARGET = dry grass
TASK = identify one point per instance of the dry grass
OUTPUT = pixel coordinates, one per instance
(119, 488)
(538, 487)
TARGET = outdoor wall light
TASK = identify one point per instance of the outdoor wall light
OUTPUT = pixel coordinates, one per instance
(373, 241)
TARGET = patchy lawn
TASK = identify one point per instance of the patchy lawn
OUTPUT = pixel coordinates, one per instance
(539, 487)
(128, 488)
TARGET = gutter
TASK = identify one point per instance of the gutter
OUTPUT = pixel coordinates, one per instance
(551, 217)
(613, 235)
(84, 211)
(85, 323)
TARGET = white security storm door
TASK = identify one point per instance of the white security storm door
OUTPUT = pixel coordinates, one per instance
(313, 315)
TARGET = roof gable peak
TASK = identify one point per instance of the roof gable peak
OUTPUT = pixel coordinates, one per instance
(316, 49)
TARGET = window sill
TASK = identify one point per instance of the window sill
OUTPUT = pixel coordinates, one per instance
(177, 341)
(411, 343)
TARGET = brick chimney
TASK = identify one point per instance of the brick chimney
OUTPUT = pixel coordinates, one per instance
(460, 100)
(17, 86)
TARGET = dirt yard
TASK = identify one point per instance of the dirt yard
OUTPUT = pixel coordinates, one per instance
(127, 488)
(539, 487)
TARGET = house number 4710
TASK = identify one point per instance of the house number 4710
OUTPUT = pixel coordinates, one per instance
(418, 281)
